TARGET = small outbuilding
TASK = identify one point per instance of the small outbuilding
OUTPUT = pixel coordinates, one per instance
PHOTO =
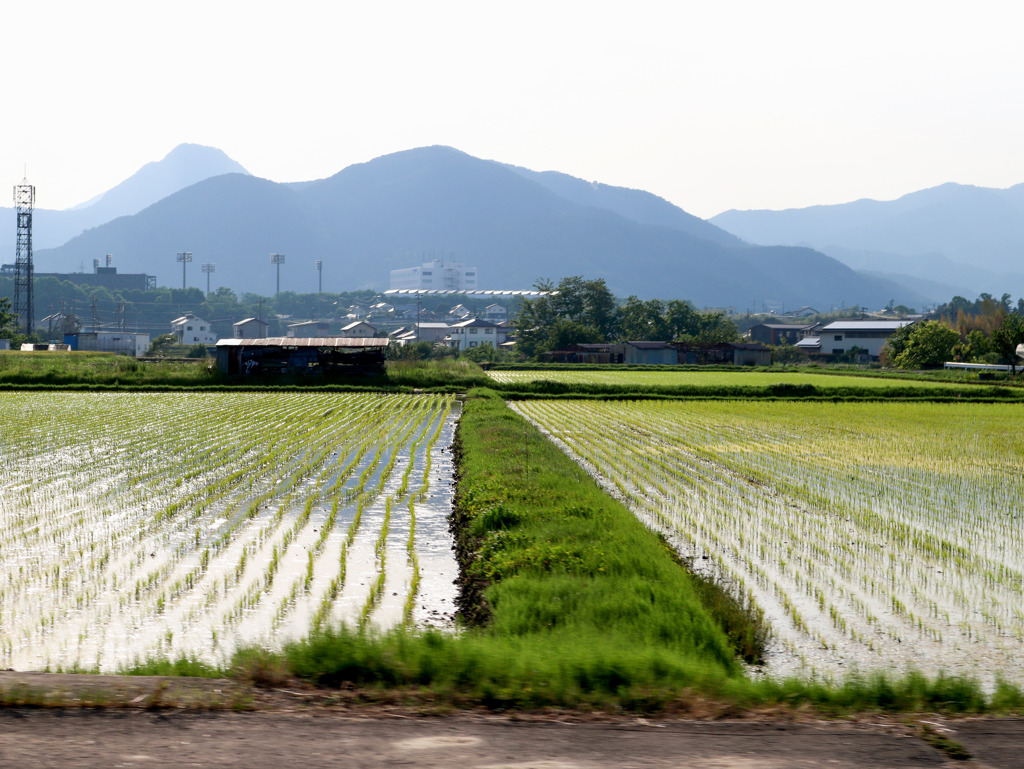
(650, 353)
(251, 328)
(120, 342)
(726, 353)
(311, 356)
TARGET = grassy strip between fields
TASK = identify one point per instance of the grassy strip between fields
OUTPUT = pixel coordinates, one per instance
(569, 601)
(101, 372)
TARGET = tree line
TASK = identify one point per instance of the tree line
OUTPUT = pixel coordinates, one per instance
(986, 330)
(585, 311)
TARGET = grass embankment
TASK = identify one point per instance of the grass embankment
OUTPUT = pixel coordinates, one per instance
(90, 369)
(570, 601)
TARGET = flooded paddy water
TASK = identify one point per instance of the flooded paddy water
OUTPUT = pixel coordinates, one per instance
(149, 525)
(873, 536)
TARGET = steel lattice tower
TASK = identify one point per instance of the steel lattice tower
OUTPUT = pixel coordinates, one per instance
(24, 202)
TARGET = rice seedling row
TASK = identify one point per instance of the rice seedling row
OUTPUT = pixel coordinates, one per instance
(139, 525)
(874, 535)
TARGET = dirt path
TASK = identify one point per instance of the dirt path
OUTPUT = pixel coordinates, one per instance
(293, 727)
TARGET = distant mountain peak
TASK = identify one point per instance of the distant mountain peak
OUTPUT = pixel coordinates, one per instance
(182, 167)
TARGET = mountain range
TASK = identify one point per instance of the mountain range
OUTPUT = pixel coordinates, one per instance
(515, 225)
(947, 240)
(185, 165)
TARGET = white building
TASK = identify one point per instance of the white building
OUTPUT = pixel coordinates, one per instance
(191, 329)
(435, 274)
(121, 342)
(843, 335)
(472, 333)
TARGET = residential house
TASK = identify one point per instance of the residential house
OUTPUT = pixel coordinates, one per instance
(841, 336)
(474, 332)
(496, 313)
(191, 329)
(358, 329)
(428, 331)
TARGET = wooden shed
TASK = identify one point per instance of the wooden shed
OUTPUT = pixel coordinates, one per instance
(315, 356)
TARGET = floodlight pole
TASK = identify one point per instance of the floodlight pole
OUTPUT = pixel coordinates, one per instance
(277, 259)
(184, 257)
(208, 268)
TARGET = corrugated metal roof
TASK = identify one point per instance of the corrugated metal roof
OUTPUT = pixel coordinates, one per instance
(649, 345)
(474, 323)
(866, 325)
(810, 342)
(305, 341)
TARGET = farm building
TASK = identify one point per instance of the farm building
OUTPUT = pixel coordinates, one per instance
(317, 356)
(585, 353)
(251, 328)
(308, 328)
(727, 353)
(779, 333)
(649, 353)
(121, 342)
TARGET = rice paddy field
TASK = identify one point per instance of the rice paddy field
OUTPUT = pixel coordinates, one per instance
(709, 379)
(874, 536)
(136, 526)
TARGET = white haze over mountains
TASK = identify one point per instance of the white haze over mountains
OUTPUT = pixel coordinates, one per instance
(936, 243)
(947, 240)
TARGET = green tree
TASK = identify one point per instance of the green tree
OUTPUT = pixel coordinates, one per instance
(643, 321)
(927, 344)
(1004, 340)
(581, 311)
(7, 318)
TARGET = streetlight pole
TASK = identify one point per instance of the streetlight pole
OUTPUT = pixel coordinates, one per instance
(184, 257)
(208, 268)
(277, 259)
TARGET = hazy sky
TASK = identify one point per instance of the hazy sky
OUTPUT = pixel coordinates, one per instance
(712, 105)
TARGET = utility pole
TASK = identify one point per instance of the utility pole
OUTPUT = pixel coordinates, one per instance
(277, 259)
(184, 257)
(259, 314)
(209, 267)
